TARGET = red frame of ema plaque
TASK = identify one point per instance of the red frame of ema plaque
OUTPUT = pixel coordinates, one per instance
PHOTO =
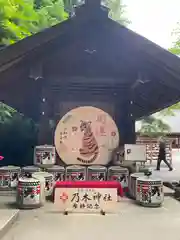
(91, 184)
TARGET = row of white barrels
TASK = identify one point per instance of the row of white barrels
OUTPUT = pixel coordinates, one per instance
(34, 185)
(32, 191)
(146, 190)
(9, 175)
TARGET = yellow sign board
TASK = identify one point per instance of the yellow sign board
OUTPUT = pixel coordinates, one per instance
(86, 199)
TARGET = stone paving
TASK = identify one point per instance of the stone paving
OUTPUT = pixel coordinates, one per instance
(164, 174)
(7, 218)
(130, 222)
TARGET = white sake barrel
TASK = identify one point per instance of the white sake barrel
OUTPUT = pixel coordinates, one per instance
(44, 156)
(97, 173)
(9, 176)
(42, 187)
(149, 191)
(75, 173)
(58, 172)
(28, 193)
(48, 182)
(133, 182)
(120, 174)
(28, 170)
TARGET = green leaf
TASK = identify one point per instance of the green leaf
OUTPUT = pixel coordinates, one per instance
(21, 18)
(153, 127)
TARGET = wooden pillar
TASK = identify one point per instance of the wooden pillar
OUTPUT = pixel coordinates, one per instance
(124, 119)
(45, 131)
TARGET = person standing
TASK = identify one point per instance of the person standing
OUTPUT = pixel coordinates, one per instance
(162, 156)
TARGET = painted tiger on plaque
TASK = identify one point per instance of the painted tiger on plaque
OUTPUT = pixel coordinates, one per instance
(90, 148)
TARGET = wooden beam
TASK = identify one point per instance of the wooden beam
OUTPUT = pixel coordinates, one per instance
(93, 3)
(161, 73)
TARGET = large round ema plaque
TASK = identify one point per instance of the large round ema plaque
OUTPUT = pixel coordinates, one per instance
(86, 135)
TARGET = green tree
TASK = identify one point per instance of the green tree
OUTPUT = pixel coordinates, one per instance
(22, 18)
(175, 49)
(6, 113)
(153, 127)
(117, 11)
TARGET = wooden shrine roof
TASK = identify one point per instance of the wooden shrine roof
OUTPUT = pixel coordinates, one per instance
(97, 51)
